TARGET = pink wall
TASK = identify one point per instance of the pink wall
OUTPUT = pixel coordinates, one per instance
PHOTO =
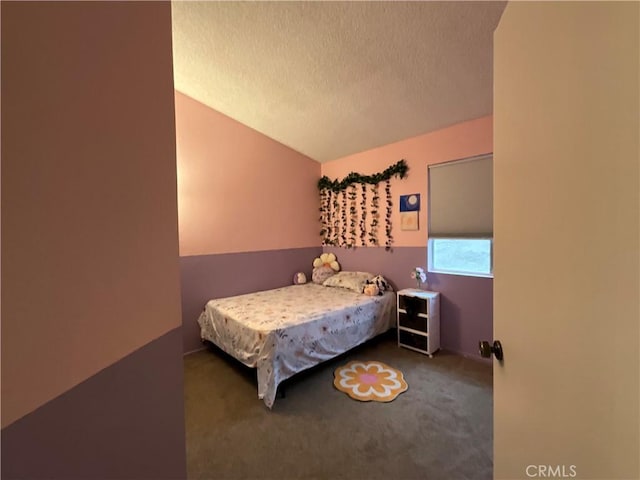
(466, 302)
(459, 141)
(238, 190)
(89, 218)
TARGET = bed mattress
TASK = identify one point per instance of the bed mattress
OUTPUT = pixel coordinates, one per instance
(287, 330)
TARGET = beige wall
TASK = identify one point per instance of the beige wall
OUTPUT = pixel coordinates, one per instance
(238, 190)
(89, 215)
(567, 239)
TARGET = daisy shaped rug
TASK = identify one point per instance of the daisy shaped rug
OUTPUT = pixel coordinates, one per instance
(369, 381)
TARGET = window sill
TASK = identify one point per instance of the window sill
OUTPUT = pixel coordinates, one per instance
(461, 274)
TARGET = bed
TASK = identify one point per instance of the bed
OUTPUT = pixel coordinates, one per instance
(284, 331)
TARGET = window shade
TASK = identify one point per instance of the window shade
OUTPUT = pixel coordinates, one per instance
(461, 198)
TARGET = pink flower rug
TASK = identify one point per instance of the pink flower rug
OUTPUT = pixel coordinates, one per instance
(369, 381)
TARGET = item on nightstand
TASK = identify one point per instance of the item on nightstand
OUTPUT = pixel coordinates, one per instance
(371, 289)
(419, 275)
(299, 278)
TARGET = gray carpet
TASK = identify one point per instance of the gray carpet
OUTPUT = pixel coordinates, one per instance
(441, 428)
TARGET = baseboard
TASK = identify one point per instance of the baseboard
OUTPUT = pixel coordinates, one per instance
(475, 358)
(204, 347)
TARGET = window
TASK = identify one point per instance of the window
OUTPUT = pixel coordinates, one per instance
(461, 217)
(462, 256)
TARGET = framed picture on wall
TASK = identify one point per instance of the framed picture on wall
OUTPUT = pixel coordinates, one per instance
(410, 203)
(409, 221)
(409, 208)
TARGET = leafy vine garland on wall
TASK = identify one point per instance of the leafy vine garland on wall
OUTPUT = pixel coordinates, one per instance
(336, 218)
(338, 212)
(387, 224)
(343, 217)
(352, 217)
(363, 216)
(324, 214)
(375, 204)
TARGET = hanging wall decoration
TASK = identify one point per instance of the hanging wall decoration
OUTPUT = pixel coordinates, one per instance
(328, 220)
(363, 216)
(324, 231)
(410, 203)
(336, 217)
(375, 204)
(339, 209)
(409, 208)
(343, 219)
(387, 223)
(352, 217)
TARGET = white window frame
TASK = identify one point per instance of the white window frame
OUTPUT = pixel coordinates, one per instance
(430, 251)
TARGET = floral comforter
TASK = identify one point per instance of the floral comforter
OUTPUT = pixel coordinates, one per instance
(287, 330)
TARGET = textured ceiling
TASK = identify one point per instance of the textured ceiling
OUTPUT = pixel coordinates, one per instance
(333, 78)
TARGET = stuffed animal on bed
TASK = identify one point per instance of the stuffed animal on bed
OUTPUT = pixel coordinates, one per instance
(371, 289)
(299, 278)
(324, 267)
(327, 260)
(380, 283)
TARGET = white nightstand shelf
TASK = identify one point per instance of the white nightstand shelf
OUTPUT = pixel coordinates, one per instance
(419, 320)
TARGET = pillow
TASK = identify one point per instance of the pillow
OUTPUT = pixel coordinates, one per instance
(321, 274)
(327, 260)
(351, 280)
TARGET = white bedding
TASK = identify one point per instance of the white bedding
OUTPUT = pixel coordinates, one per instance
(287, 330)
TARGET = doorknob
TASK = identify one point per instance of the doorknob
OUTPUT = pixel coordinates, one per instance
(486, 349)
